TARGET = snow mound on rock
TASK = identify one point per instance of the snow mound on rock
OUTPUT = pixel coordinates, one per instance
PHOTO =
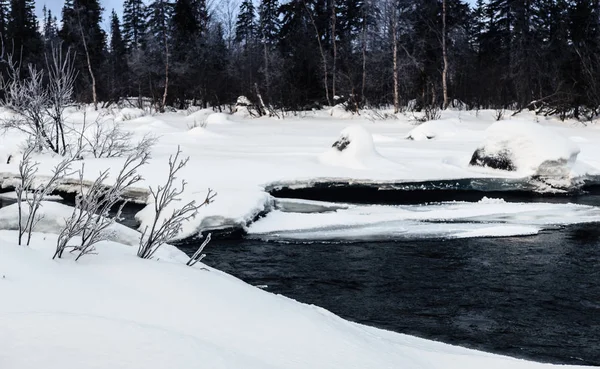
(431, 130)
(353, 149)
(52, 219)
(527, 148)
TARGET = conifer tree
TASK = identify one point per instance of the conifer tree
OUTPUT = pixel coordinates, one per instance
(245, 28)
(22, 34)
(134, 23)
(117, 59)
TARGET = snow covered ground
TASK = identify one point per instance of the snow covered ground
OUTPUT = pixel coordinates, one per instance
(113, 311)
(238, 156)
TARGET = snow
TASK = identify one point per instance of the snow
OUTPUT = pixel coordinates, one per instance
(486, 218)
(531, 147)
(432, 130)
(52, 218)
(239, 161)
(113, 310)
(354, 149)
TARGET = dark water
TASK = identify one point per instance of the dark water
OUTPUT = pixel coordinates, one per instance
(532, 297)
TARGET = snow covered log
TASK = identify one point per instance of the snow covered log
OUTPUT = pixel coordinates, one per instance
(527, 148)
(69, 187)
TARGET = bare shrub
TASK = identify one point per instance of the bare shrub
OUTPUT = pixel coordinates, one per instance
(108, 139)
(499, 114)
(92, 213)
(38, 106)
(160, 233)
(198, 255)
(32, 196)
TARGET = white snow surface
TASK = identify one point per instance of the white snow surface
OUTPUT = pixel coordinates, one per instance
(434, 129)
(239, 157)
(116, 311)
(533, 148)
(360, 152)
(52, 218)
(486, 218)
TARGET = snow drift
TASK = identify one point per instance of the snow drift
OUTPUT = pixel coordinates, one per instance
(527, 148)
(432, 130)
(353, 149)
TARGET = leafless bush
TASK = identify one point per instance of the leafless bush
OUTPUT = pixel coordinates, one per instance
(28, 193)
(109, 140)
(159, 233)
(432, 112)
(198, 123)
(38, 106)
(92, 214)
(198, 255)
(499, 114)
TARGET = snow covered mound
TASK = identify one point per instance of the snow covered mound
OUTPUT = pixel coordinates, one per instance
(353, 149)
(217, 118)
(126, 114)
(432, 129)
(526, 147)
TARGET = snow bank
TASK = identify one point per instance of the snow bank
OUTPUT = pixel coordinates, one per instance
(432, 130)
(526, 147)
(353, 149)
(116, 311)
(217, 118)
(53, 217)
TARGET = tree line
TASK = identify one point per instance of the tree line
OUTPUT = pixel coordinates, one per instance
(301, 54)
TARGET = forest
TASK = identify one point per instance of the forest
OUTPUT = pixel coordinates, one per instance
(422, 55)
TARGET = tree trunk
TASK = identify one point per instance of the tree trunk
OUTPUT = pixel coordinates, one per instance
(445, 55)
(323, 58)
(334, 44)
(164, 97)
(364, 55)
(89, 65)
(395, 57)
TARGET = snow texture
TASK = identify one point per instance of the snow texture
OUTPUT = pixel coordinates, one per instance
(432, 130)
(526, 147)
(52, 219)
(486, 218)
(116, 311)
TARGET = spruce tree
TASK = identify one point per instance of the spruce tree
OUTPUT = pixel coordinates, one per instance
(134, 23)
(3, 18)
(81, 30)
(22, 35)
(245, 27)
(268, 25)
(118, 58)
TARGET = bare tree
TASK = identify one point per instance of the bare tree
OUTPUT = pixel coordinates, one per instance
(395, 26)
(89, 63)
(445, 56)
(159, 232)
(61, 79)
(321, 50)
(334, 43)
(39, 108)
